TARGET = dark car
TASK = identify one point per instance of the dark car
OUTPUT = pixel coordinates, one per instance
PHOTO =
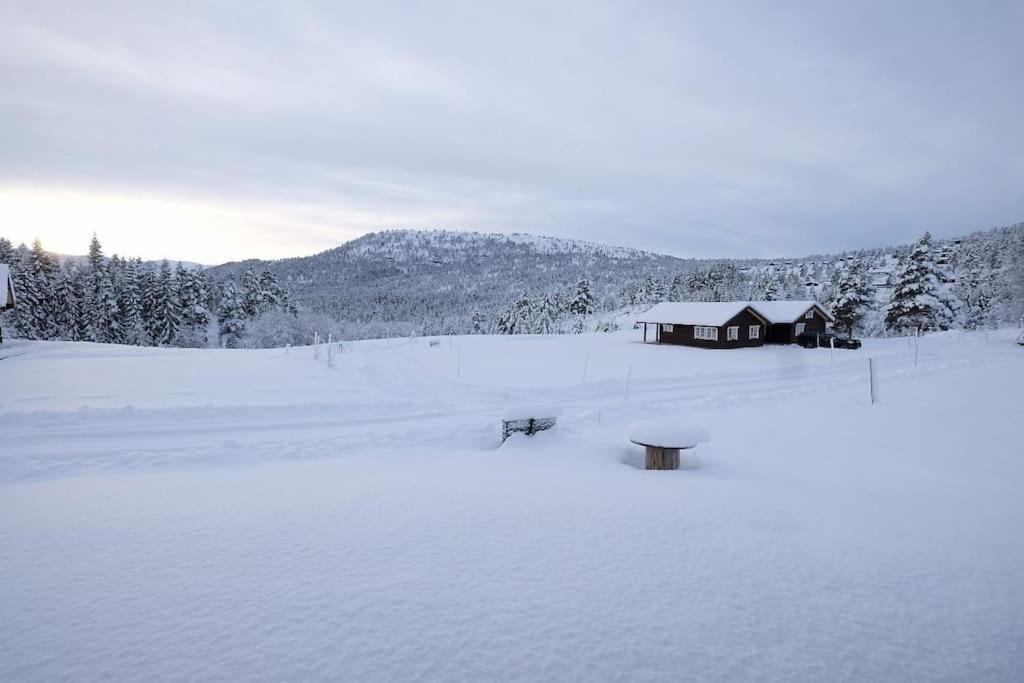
(812, 340)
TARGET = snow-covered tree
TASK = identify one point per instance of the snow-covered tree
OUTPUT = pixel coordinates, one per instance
(195, 318)
(919, 299)
(67, 304)
(231, 317)
(853, 296)
(977, 298)
(545, 315)
(167, 307)
(517, 318)
(583, 302)
(479, 321)
(6, 251)
(130, 304)
(36, 281)
(252, 296)
(99, 305)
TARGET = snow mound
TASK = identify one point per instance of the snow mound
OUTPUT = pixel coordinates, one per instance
(667, 433)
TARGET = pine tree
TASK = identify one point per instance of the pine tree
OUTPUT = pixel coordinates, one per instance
(977, 297)
(270, 293)
(545, 315)
(479, 323)
(167, 312)
(149, 287)
(517, 318)
(100, 304)
(195, 318)
(252, 298)
(67, 311)
(231, 317)
(770, 289)
(918, 299)
(583, 300)
(35, 282)
(853, 297)
(6, 251)
(130, 304)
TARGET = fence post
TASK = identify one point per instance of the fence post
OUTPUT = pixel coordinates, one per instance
(871, 381)
(831, 349)
(316, 346)
(915, 346)
(330, 350)
(586, 362)
(629, 376)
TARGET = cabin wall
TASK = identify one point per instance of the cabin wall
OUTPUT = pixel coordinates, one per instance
(785, 333)
(683, 334)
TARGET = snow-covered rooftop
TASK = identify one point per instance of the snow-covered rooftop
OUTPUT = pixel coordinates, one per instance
(717, 313)
(785, 311)
(714, 313)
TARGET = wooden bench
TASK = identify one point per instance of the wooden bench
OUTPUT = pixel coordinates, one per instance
(528, 420)
(662, 440)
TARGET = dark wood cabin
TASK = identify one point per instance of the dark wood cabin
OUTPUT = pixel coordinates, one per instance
(711, 325)
(732, 324)
(791, 318)
(6, 292)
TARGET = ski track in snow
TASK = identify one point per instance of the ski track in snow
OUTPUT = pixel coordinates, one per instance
(820, 539)
(397, 403)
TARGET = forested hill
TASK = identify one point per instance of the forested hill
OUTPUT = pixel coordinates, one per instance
(437, 282)
(439, 279)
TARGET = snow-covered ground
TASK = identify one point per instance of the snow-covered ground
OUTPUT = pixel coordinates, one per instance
(207, 514)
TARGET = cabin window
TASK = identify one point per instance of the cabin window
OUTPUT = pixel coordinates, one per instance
(755, 331)
(733, 333)
(800, 328)
(666, 328)
(809, 314)
(706, 333)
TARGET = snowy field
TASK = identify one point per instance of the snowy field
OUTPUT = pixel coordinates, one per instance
(171, 514)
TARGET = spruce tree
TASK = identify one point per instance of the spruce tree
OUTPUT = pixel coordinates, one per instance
(167, 311)
(853, 297)
(231, 317)
(6, 251)
(67, 304)
(100, 304)
(149, 286)
(195, 318)
(977, 297)
(545, 315)
(252, 298)
(583, 300)
(130, 303)
(35, 281)
(918, 299)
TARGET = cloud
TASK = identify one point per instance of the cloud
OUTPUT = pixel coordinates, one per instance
(704, 131)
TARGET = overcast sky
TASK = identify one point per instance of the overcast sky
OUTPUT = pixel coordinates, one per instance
(221, 131)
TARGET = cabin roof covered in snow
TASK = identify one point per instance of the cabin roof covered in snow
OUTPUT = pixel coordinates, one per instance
(786, 311)
(713, 313)
(717, 313)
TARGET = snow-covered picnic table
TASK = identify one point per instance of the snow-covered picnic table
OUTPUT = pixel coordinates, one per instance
(663, 438)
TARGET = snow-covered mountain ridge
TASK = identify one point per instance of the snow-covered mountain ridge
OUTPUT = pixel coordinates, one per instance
(435, 282)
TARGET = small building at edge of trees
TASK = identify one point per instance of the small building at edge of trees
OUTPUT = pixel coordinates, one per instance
(6, 292)
(732, 324)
